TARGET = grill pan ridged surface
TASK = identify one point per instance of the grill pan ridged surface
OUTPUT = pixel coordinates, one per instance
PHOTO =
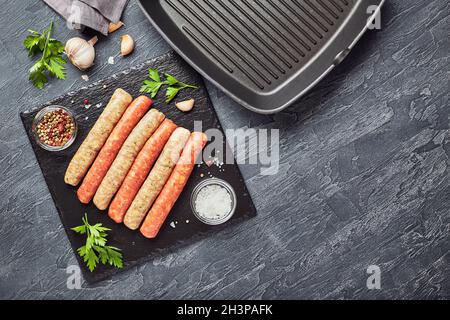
(264, 53)
(248, 38)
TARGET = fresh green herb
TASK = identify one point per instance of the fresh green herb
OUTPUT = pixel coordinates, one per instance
(51, 60)
(95, 250)
(152, 87)
(155, 83)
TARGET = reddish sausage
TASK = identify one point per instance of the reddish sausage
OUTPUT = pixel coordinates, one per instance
(174, 186)
(105, 158)
(139, 171)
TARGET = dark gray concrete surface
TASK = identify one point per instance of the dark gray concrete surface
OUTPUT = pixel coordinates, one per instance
(364, 176)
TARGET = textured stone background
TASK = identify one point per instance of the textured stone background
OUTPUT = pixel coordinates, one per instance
(364, 176)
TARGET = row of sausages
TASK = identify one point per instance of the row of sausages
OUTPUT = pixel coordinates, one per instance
(134, 161)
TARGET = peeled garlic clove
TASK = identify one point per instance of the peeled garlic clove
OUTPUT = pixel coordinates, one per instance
(81, 52)
(114, 26)
(127, 45)
(185, 106)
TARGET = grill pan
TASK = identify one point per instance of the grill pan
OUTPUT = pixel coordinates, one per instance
(265, 54)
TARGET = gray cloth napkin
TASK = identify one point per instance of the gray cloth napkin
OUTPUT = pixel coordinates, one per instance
(83, 13)
(111, 10)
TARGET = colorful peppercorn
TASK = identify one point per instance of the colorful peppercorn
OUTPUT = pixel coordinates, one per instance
(55, 128)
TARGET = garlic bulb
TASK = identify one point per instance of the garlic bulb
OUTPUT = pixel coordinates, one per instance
(127, 45)
(81, 52)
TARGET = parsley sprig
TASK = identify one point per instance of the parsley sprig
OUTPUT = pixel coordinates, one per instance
(95, 250)
(155, 83)
(51, 62)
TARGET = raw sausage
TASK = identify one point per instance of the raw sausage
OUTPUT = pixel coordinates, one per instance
(156, 179)
(96, 138)
(101, 165)
(139, 171)
(174, 186)
(125, 158)
(95, 175)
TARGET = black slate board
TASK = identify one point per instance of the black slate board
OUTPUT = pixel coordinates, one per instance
(136, 248)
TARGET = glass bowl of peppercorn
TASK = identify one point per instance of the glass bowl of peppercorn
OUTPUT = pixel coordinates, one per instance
(54, 128)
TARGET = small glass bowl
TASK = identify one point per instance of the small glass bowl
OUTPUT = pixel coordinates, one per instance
(37, 120)
(209, 182)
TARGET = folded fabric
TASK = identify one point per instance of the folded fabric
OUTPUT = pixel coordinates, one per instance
(95, 14)
(110, 9)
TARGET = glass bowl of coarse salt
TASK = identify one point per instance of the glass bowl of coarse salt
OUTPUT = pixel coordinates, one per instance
(213, 201)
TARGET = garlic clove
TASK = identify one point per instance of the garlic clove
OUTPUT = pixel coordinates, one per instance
(185, 106)
(81, 52)
(127, 45)
(114, 26)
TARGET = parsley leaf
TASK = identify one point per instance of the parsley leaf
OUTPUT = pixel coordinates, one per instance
(171, 80)
(92, 260)
(56, 67)
(155, 83)
(33, 43)
(56, 47)
(151, 87)
(80, 229)
(175, 82)
(82, 251)
(103, 254)
(175, 87)
(171, 93)
(115, 256)
(51, 62)
(95, 250)
(37, 76)
(154, 75)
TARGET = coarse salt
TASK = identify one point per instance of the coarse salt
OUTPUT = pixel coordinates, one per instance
(213, 202)
(111, 60)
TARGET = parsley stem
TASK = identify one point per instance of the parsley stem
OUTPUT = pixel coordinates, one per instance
(184, 85)
(49, 33)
